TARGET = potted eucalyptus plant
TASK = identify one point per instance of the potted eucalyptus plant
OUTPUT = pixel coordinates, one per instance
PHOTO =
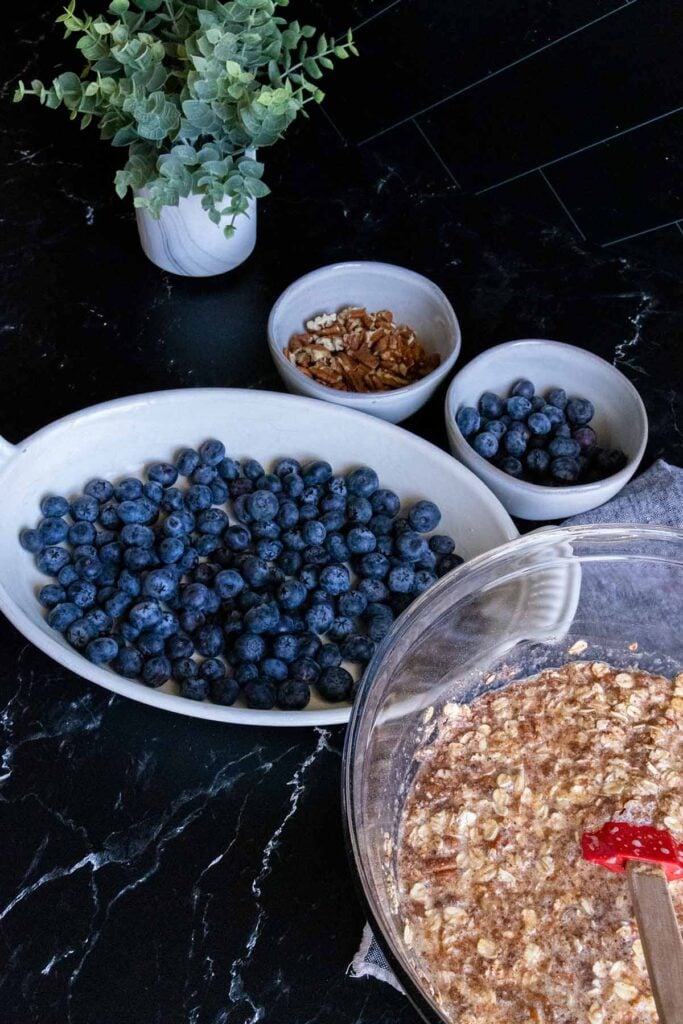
(192, 89)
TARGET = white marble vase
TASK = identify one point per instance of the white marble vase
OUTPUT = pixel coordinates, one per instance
(184, 241)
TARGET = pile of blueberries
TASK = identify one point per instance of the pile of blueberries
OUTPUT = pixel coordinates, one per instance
(542, 439)
(156, 581)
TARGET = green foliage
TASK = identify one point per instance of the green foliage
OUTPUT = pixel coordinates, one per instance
(188, 86)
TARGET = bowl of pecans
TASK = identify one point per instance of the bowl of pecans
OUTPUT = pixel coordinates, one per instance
(372, 336)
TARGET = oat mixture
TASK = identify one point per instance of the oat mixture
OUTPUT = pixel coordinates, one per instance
(354, 350)
(512, 925)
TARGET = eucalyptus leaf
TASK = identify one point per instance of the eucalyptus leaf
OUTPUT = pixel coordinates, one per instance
(188, 87)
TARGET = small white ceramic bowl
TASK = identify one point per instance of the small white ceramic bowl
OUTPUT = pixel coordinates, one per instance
(412, 298)
(620, 420)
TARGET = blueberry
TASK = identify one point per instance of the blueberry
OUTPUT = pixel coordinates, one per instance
(195, 689)
(118, 604)
(209, 640)
(62, 615)
(145, 614)
(198, 497)
(580, 411)
(286, 647)
(316, 472)
(31, 540)
(306, 670)
(308, 512)
(193, 596)
(240, 486)
(379, 624)
(228, 469)
(108, 575)
(401, 579)
(212, 521)
(329, 656)
(255, 571)
(111, 554)
(538, 462)
(336, 547)
(162, 473)
(204, 474)
(223, 691)
(585, 438)
(83, 593)
(190, 620)
(411, 546)
(385, 502)
(260, 695)
(109, 517)
(249, 647)
(129, 583)
(252, 470)
(291, 594)
(273, 669)
(187, 461)
(290, 562)
(313, 532)
(284, 466)
(80, 633)
(84, 509)
(288, 516)
(486, 444)
(553, 414)
(491, 405)
(100, 621)
(262, 618)
(337, 487)
(293, 695)
(423, 581)
(537, 403)
(141, 510)
(128, 662)
(265, 531)
(358, 510)
(538, 423)
(150, 645)
(51, 595)
(357, 648)
(137, 559)
(335, 579)
(557, 397)
(128, 490)
(562, 430)
(128, 631)
(269, 482)
(468, 420)
(245, 673)
(213, 668)
(293, 540)
(184, 668)
(171, 550)
(293, 485)
(362, 482)
(514, 444)
(228, 583)
(333, 521)
(448, 563)
(495, 427)
(179, 646)
(565, 469)
(424, 516)
(308, 645)
(511, 465)
(53, 530)
(523, 388)
(262, 505)
(518, 407)
(319, 617)
(564, 447)
(211, 452)
(54, 505)
(154, 491)
(373, 590)
(52, 559)
(440, 544)
(610, 460)
(361, 540)
(340, 628)
(102, 650)
(137, 535)
(237, 538)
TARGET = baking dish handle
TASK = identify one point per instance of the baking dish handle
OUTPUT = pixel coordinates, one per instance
(7, 450)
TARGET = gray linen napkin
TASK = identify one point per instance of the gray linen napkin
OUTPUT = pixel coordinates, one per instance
(655, 498)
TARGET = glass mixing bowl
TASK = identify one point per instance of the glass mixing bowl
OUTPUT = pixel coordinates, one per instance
(598, 593)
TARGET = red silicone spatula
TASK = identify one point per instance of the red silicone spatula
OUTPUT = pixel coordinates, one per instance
(649, 856)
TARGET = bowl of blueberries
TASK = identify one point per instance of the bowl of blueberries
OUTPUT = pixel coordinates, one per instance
(552, 429)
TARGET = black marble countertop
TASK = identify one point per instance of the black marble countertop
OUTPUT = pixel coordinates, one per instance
(167, 869)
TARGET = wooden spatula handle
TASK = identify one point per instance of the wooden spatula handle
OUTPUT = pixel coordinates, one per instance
(661, 938)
